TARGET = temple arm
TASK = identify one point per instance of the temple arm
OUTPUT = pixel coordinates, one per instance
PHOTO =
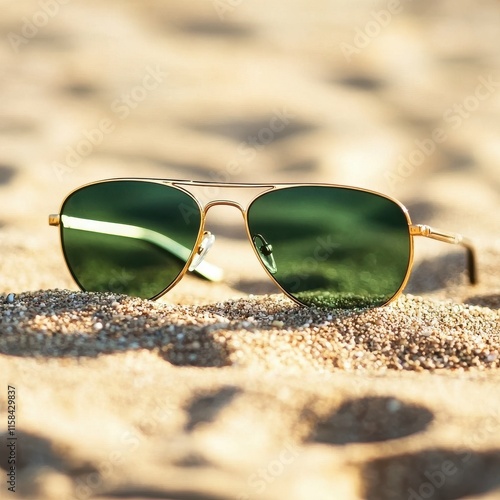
(205, 269)
(453, 238)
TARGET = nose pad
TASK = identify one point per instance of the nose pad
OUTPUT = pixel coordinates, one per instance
(205, 245)
(265, 251)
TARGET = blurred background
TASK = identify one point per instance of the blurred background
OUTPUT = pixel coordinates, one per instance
(394, 95)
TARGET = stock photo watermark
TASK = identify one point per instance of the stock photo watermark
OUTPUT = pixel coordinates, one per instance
(454, 117)
(248, 150)
(121, 107)
(435, 479)
(298, 273)
(364, 36)
(259, 480)
(120, 279)
(225, 7)
(86, 485)
(48, 10)
(11, 440)
(439, 476)
(246, 153)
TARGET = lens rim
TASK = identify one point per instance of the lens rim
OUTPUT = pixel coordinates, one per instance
(280, 187)
(161, 182)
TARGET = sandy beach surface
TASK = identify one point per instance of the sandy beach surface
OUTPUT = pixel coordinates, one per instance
(230, 390)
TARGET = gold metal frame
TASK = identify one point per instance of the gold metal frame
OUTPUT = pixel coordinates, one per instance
(183, 185)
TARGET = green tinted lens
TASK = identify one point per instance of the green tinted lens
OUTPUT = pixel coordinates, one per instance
(332, 247)
(128, 237)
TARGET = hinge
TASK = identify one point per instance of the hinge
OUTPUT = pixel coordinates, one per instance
(54, 219)
(420, 230)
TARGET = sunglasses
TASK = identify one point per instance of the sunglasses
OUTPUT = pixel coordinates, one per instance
(323, 245)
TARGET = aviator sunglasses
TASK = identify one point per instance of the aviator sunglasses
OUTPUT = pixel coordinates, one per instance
(324, 245)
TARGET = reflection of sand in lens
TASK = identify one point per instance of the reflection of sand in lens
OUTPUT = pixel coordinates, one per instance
(342, 246)
(341, 300)
(138, 216)
(121, 265)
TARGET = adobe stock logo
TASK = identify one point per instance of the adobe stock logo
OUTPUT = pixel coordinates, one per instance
(436, 480)
(300, 272)
(454, 117)
(127, 101)
(32, 25)
(122, 108)
(259, 480)
(246, 152)
(363, 37)
(223, 7)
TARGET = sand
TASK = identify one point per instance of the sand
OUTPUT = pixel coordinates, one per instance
(230, 390)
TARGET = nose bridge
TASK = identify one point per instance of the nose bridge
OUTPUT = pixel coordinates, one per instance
(229, 203)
